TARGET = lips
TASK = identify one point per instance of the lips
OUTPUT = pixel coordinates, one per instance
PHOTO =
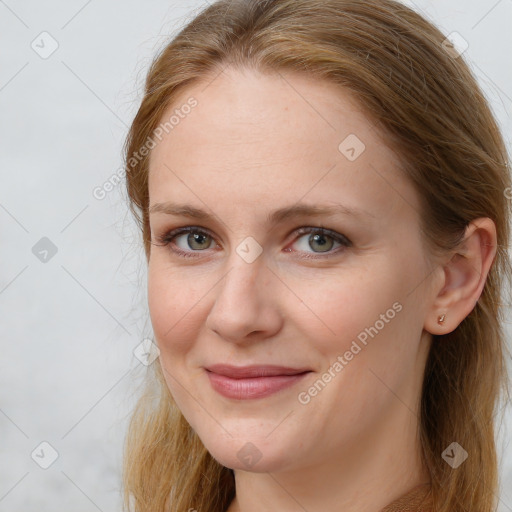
(244, 372)
(250, 382)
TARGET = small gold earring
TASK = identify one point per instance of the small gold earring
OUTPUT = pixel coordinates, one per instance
(440, 319)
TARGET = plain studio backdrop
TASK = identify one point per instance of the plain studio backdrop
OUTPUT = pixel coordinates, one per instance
(72, 276)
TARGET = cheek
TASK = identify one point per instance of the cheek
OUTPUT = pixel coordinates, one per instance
(175, 323)
(362, 315)
(174, 307)
(337, 307)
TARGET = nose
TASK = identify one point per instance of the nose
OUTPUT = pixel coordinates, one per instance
(246, 304)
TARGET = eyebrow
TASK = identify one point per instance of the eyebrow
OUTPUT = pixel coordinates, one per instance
(274, 217)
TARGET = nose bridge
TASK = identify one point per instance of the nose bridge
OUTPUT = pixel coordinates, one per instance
(244, 275)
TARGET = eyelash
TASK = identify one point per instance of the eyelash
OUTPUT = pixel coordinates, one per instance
(166, 239)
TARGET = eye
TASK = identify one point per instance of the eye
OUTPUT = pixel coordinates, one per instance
(321, 240)
(191, 238)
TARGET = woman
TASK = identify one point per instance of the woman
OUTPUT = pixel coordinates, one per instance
(322, 194)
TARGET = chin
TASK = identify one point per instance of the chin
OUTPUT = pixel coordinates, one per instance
(248, 453)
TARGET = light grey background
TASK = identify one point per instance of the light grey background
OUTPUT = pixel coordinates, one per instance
(68, 328)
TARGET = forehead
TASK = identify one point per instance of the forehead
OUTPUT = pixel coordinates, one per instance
(252, 139)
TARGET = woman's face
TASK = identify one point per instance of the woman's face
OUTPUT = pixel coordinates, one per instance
(252, 287)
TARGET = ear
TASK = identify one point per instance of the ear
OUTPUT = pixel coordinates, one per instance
(463, 277)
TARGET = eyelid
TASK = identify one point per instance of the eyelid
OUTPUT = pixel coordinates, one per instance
(324, 231)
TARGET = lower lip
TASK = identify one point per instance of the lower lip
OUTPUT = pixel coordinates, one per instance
(254, 387)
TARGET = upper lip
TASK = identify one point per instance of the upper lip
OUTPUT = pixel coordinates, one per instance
(266, 370)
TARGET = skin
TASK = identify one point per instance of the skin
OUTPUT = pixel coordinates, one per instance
(253, 144)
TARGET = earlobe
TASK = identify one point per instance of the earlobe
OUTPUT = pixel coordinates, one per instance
(465, 275)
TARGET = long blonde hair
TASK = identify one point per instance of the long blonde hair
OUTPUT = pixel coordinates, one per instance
(431, 110)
